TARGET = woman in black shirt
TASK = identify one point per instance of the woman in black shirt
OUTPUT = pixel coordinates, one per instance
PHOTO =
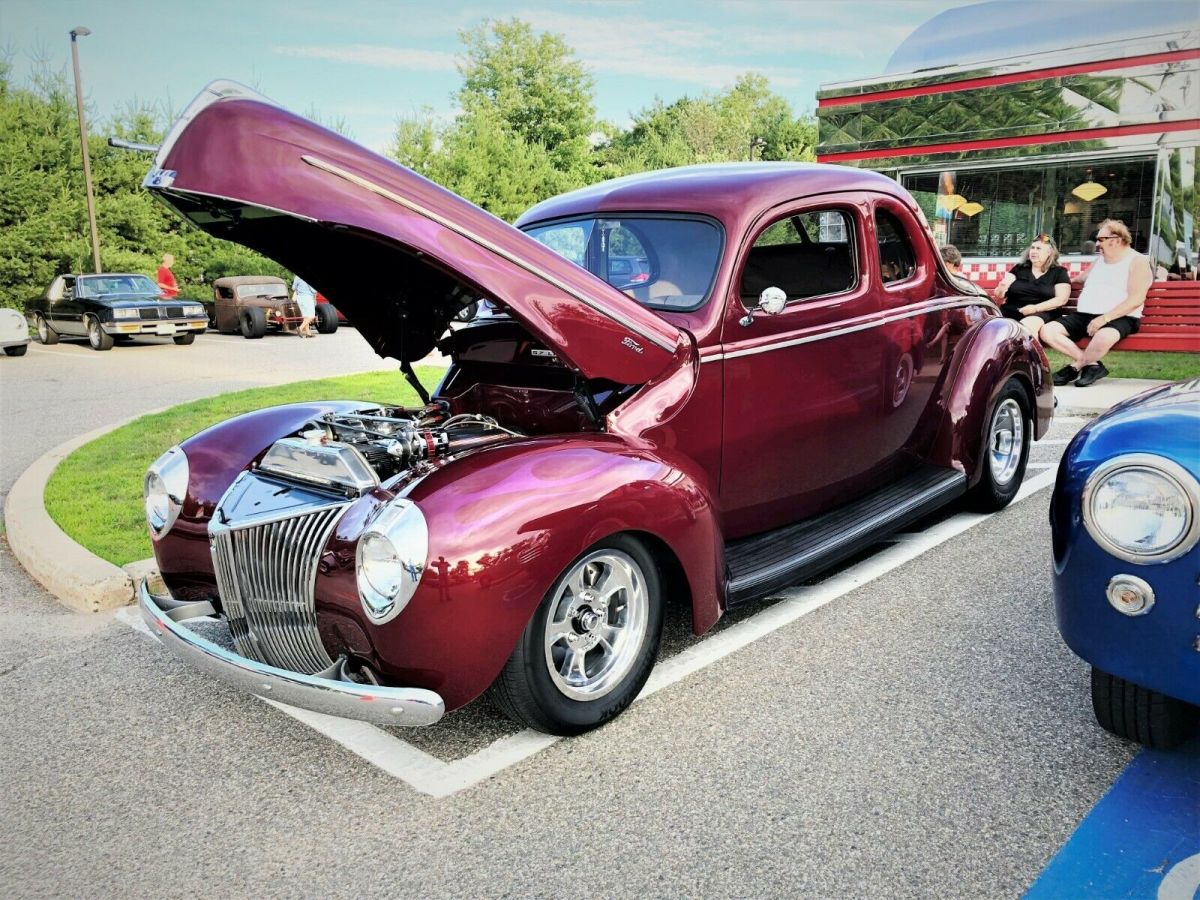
(1034, 291)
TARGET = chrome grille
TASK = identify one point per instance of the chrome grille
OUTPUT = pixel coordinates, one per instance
(265, 572)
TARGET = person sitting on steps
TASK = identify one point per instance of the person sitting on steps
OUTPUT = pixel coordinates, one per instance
(1110, 307)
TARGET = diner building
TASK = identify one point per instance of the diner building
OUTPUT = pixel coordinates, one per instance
(1009, 119)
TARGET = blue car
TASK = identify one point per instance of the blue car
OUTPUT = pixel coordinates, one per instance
(1126, 520)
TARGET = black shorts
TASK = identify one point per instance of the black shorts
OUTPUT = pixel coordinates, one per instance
(1011, 311)
(1076, 324)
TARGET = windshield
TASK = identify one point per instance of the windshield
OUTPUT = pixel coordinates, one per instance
(103, 285)
(663, 263)
(271, 289)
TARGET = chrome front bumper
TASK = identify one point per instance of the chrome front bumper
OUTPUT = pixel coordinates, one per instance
(152, 326)
(323, 693)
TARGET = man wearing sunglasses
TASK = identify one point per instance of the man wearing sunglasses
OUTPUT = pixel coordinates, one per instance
(1109, 309)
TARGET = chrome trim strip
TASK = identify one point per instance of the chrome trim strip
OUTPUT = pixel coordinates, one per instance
(485, 243)
(331, 696)
(861, 325)
(1107, 51)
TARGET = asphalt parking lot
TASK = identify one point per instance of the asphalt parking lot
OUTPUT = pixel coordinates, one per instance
(909, 725)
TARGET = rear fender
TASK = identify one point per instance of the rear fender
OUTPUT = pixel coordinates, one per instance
(990, 353)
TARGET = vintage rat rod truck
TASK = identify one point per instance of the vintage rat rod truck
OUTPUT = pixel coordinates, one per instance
(788, 374)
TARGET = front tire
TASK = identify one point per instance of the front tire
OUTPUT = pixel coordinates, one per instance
(46, 334)
(98, 338)
(185, 339)
(1005, 449)
(18, 350)
(1139, 714)
(253, 322)
(591, 643)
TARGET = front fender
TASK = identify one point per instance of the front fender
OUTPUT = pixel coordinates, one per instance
(216, 456)
(503, 524)
(990, 353)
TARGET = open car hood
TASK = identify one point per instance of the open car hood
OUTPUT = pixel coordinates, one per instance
(398, 254)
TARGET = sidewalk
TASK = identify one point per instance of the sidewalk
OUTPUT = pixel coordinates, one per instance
(89, 584)
(1105, 393)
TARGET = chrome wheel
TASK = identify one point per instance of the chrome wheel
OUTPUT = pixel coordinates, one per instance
(597, 625)
(1006, 441)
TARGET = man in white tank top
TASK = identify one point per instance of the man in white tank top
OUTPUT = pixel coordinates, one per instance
(1110, 307)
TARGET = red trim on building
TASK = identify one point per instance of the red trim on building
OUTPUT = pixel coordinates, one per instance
(925, 90)
(1021, 141)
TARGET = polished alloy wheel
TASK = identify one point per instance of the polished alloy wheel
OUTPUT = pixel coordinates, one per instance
(43, 330)
(597, 625)
(93, 333)
(1006, 441)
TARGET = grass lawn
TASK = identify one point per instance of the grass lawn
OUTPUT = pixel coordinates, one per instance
(95, 494)
(1142, 364)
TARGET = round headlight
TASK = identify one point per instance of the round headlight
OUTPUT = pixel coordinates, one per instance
(391, 559)
(1142, 508)
(164, 489)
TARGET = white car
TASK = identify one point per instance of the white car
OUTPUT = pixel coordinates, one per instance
(14, 332)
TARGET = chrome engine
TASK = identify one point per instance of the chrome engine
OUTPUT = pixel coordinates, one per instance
(355, 452)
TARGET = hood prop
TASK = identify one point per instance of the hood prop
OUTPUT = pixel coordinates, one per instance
(411, 376)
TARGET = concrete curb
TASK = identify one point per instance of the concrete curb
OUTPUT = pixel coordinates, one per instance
(77, 577)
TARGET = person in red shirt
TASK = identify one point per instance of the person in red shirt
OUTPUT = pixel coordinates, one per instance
(166, 278)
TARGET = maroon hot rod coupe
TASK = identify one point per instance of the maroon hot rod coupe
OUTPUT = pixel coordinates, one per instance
(786, 374)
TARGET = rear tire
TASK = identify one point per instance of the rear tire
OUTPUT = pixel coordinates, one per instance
(98, 338)
(1139, 714)
(1005, 449)
(327, 319)
(184, 339)
(18, 350)
(590, 645)
(46, 334)
(253, 322)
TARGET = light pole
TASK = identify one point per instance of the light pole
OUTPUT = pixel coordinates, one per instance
(77, 32)
(756, 143)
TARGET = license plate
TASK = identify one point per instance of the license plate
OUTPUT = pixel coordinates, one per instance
(164, 328)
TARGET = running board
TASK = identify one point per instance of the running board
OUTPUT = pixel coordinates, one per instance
(776, 559)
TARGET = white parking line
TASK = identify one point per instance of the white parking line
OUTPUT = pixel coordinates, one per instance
(429, 775)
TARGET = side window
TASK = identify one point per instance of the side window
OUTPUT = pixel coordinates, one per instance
(807, 254)
(628, 260)
(225, 293)
(896, 258)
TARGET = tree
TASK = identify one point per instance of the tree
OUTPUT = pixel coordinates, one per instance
(535, 85)
(43, 219)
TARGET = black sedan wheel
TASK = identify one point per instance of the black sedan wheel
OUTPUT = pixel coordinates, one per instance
(1139, 714)
(589, 647)
(98, 338)
(253, 322)
(185, 339)
(46, 334)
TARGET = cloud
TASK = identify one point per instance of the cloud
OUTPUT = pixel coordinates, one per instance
(703, 53)
(378, 56)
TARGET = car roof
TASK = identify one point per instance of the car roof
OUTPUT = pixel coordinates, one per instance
(236, 280)
(726, 191)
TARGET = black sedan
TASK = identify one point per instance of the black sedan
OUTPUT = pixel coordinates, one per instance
(115, 305)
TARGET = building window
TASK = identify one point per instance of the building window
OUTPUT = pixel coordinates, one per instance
(997, 211)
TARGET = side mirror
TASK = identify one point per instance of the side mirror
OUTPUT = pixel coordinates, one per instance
(771, 301)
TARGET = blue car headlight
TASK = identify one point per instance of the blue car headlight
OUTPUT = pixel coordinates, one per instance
(164, 489)
(1142, 508)
(391, 560)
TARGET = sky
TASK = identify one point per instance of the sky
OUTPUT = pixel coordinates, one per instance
(364, 64)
